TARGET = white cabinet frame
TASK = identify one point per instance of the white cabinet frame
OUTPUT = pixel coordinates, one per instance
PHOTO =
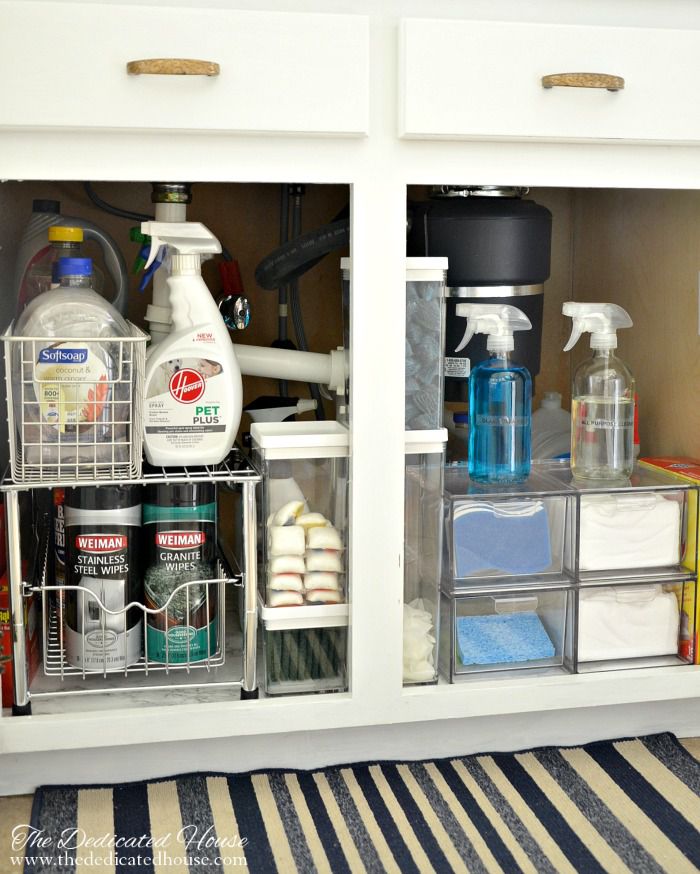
(377, 717)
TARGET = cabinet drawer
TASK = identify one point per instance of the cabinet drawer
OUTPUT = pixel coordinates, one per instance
(64, 66)
(472, 80)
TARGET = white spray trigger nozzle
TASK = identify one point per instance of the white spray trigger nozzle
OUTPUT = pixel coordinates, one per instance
(497, 321)
(468, 334)
(187, 238)
(601, 320)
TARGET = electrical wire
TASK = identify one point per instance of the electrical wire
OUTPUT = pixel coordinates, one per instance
(282, 295)
(130, 215)
(114, 210)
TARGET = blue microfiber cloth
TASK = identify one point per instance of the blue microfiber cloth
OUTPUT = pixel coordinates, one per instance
(496, 639)
(510, 538)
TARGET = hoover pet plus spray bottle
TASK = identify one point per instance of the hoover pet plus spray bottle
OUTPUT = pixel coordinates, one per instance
(193, 392)
(602, 407)
(500, 396)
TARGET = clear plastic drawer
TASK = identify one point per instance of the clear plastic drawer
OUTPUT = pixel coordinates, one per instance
(425, 455)
(302, 532)
(634, 529)
(305, 660)
(521, 532)
(633, 625)
(510, 631)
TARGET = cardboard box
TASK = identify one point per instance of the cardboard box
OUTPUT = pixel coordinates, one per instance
(685, 470)
(33, 626)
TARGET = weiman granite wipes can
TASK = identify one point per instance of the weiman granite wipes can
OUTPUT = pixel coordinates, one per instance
(179, 527)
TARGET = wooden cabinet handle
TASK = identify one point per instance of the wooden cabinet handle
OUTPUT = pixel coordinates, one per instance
(584, 80)
(172, 67)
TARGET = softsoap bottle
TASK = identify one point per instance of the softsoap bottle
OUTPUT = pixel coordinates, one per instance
(500, 397)
(602, 407)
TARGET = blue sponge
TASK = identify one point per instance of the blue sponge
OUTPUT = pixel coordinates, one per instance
(511, 637)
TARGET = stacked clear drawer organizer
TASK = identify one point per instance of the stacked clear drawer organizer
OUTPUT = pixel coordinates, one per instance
(548, 576)
(302, 542)
(634, 558)
(425, 460)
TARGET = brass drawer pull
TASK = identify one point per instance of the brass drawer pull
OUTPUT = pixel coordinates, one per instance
(584, 80)
(172, 67)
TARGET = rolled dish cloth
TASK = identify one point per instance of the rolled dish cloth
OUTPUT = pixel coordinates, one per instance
(508, 537)
(622, 622)
(629, 531)
(418, 643)
(502, 639)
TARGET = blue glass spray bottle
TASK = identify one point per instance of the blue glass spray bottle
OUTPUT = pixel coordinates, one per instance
(500, 397)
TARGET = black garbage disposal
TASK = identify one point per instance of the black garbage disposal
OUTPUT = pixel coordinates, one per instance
(498, 246)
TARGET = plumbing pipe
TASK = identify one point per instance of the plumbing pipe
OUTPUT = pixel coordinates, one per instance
(158, 313)
(295, 366)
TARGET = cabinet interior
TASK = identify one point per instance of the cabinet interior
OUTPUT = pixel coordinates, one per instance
(637, 248)
(245, 218)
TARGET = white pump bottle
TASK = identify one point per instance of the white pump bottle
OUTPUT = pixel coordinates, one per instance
(602, 405)
(193, 394)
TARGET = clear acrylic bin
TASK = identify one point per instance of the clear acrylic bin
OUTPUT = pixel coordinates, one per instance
(518, 533)
(504, 631)
(636, 625)
(425, 330)
(302, 535)
(300, 661)
(425, 455)
(302, 540)
(631, 530)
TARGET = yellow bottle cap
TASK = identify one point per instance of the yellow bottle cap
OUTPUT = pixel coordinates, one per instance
(64, 234)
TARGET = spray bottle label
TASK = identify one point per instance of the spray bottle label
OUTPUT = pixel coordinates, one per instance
(184, 402)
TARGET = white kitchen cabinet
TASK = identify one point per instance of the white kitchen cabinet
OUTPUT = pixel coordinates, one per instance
(300, 73)
(483, 80)
(377, 717)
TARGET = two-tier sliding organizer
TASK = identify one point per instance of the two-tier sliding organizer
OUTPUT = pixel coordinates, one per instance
(88, 435)
(58, 677)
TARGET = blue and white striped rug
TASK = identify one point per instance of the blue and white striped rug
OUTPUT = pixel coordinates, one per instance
(619, 806)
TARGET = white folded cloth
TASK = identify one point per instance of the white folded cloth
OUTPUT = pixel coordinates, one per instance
(285, 582)
(287, 564)
(321, 580)
(629, 530)
(324, 560)
(324, 596)
(621, 622)
(418, 643)
(324, 538)
(287, 514)
(284, 599)
(287, 540)
(312, 520)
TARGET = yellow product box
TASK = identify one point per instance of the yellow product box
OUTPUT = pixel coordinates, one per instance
(685, 470)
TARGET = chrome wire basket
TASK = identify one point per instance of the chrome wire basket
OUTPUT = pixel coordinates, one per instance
(104, 646)
(66, 424)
